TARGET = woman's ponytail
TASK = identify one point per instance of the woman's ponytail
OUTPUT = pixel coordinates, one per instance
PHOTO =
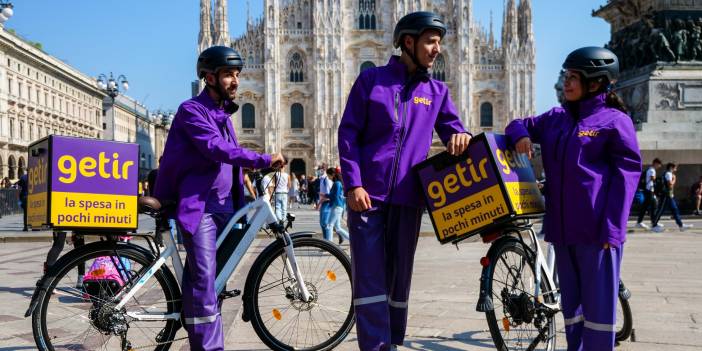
(613, 100)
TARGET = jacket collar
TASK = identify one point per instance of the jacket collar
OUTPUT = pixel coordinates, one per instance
(224, 112)
(586, 107)
(401, 71)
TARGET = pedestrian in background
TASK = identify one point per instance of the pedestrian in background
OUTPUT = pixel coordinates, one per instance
(23, 191)
(650, 201)
(696, 193)
(324, 205)
(304, 196)
(668, 198)
(281, 184)
(337, 202)
(294, 193)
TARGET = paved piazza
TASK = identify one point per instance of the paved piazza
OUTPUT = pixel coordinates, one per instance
(661, 270)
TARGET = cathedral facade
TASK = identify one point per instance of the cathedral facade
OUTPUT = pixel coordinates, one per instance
(303, 56)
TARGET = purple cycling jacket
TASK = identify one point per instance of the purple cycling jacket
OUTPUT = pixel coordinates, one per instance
(387, 128)
(592, 162)
(195, 151)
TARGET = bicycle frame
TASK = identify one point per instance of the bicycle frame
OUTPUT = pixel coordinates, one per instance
(547, 265)
(262, 215)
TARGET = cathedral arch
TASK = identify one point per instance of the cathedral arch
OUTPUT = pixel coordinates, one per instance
(297, 116)
(438, 71)
(11, 166)
(21, 167)
(296, 66)
(366, 65)
(248, 116)
(486, 115)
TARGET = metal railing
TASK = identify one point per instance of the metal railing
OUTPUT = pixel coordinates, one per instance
(9, 201)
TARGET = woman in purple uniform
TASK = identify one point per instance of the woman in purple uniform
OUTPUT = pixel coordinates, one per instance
(592, 161)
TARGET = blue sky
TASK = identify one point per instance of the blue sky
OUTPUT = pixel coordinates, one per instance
(154, 42)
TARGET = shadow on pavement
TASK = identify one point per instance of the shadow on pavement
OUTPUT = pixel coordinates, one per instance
(440, 344)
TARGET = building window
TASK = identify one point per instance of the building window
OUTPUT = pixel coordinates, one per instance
(366, 65)
(12, 128)
(366, 14)
(9, 85)
(21, 131)
(486, 114)
(297, 116)
(248, 116)
(438, 71)
(19, 89)
(296, 68)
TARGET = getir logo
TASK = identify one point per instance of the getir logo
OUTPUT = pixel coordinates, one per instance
(89, 167)
(422, 100)
(37, 175)
(588, 133)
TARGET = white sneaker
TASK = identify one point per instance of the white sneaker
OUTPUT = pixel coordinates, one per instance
(685, 226)
(658, 228)
(642, 225)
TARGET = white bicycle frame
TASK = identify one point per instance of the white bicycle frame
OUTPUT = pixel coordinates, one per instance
(545, 263)
(262, 215)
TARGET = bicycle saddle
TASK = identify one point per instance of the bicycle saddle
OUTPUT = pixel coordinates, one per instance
(148, 204)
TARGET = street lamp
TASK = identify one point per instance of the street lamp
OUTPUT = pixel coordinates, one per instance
(112, 88)
(6, 11)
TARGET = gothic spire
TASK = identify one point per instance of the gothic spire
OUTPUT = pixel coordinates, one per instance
(221, 25)
(205, 38)
(491, 38)
(526, 33)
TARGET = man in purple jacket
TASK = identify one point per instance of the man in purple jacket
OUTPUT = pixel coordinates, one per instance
(386, 129)
(592, 162)
(201, 173)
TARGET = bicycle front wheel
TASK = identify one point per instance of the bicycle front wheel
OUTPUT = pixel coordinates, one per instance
(279, 315)
(518, 321)
(77, 313)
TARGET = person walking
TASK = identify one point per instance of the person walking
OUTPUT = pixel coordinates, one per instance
(668, 198)
(201, 172)
(385, 130)
(23, 193)
(324, 204)
(338, 204)
(294, 193)
(281, 184)
(696, 193)
(304, 195)
(650, 201)
(593, 164)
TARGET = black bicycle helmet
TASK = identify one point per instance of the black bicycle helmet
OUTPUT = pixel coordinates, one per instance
(593, 62)
(218, 57)
(415, 24)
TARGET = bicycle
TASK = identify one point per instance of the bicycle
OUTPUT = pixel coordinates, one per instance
(523, 283)
(297, 294)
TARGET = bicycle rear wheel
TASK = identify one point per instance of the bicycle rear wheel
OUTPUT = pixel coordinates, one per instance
(281, 318)
(81, 316)
(518, 321)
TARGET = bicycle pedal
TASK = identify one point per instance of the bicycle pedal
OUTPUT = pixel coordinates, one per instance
(229, 294)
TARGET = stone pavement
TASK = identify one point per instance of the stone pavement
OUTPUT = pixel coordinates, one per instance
(661, 270)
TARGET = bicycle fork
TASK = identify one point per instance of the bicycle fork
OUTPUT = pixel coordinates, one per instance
(293, 270)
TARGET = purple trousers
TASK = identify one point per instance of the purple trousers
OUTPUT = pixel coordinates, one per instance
(383, 242)
(589, 281)
(200, 304)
